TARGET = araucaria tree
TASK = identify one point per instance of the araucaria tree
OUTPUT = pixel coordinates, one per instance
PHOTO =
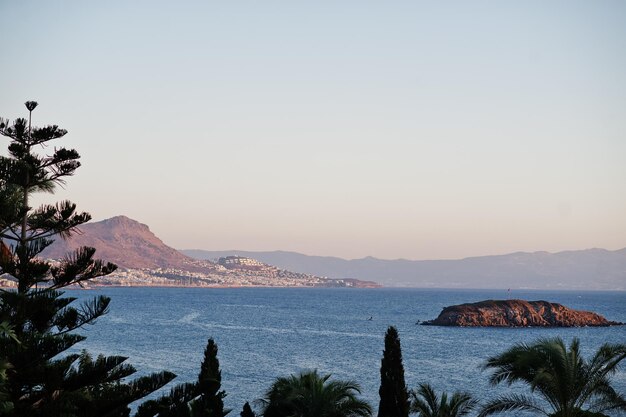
(40, 380)
(394, 397)
(566, 384)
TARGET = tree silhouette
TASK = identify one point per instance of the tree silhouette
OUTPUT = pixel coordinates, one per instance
(247, 411)
(39, 381)
(394, 397)
(210, 402)
(5, 403)
(426, 403)
(312, 395)
(198, 399)
(569, 385)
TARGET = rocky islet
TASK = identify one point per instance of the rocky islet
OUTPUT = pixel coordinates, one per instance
(516, 313)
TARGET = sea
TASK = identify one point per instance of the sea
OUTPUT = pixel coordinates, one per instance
(265, 333)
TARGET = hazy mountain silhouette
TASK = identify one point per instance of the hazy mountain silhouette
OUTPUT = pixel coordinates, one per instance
(596, 269)
(131, 244)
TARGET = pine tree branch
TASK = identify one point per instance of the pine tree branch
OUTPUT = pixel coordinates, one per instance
(174, 403)
(71, 319)
(79, 266)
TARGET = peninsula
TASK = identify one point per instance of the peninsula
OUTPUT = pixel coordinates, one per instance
(145, 260)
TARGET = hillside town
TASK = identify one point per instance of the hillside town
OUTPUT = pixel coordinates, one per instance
(142, 259)
(239, 272)
(232, 271)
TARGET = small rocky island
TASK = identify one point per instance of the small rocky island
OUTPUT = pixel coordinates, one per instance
(516, 313)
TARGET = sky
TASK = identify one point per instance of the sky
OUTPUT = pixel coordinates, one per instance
(400, 129)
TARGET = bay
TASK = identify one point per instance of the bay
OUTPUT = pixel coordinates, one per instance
(263, 333)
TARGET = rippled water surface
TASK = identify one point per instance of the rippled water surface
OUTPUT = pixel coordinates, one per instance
(263, 333)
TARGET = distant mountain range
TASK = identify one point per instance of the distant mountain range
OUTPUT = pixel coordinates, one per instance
(590, 269)
(132, 245)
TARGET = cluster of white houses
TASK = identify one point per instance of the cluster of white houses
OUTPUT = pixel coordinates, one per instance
(238, 261)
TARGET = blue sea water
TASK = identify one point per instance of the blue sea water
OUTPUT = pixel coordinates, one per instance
(263, 333)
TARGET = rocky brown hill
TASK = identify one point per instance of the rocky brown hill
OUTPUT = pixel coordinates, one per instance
(516, 313)
(125, 242)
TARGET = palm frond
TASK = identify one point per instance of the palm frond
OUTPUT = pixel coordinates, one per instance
(513, 402)
(560, 375)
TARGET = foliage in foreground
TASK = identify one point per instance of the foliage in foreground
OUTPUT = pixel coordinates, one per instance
(247, 411)
(394, 397)
(35, 378)
(309, 394)
(426, 403)
(203, 398)
(566, 383)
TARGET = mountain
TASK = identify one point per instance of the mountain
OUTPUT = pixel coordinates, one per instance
(144, 260)
(593, 269)
(124, 241)
(132, 245)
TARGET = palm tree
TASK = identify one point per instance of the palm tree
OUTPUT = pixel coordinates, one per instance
(426, 403)
(568, 385)
(309, 394)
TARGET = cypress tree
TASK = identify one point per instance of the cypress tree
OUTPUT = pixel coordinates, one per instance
(202, 398)
(247, 411)
(36, 378)
(394, 397)
(210, 403)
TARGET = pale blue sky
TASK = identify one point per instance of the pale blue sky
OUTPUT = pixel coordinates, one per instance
(393, 129)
